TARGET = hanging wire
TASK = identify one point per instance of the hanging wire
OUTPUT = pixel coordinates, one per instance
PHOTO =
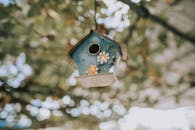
(95, 12)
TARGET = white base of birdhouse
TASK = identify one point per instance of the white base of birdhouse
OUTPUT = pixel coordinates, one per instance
(99, 80)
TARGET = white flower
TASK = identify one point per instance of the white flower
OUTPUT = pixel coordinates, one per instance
(44, 114)
(13, 82)
(20, 60)
(103, 57)
(24, 121)
(75, 112)
(66, 100)
(4, 71)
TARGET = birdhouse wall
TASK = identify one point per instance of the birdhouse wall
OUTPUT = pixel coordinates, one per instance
(88, 50)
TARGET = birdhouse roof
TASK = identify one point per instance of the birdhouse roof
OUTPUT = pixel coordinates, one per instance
(73, 49)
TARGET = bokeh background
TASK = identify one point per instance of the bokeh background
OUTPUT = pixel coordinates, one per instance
(37, 85)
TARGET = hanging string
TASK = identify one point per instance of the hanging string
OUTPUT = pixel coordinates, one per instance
(95, 12)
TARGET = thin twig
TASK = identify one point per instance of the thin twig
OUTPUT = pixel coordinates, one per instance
(131, 29)
(171, 28)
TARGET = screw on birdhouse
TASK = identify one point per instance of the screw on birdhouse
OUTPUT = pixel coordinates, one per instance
(94, 57)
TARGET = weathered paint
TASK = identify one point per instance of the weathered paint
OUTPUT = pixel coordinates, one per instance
(83, 59)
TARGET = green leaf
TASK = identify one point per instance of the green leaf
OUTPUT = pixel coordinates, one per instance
(35, 9)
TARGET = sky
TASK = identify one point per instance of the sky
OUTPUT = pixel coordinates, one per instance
(5, 2)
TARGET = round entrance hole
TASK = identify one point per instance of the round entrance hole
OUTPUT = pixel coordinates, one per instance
(94, 49)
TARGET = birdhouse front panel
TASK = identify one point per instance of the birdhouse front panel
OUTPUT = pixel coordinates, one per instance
(95, 54)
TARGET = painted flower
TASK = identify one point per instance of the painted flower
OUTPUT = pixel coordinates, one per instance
(92, 70)
(103, 57)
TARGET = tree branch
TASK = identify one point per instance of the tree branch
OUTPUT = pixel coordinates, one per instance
(171, 28)
(131, 29)
(144, 13)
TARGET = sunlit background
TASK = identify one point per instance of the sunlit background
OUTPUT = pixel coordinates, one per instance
(37, 84)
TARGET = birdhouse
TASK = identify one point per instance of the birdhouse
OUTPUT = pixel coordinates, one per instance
(94, 56)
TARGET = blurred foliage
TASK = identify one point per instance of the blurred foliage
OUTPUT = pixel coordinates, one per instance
(46, 30)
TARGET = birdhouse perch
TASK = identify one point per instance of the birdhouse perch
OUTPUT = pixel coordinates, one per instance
(94, 56)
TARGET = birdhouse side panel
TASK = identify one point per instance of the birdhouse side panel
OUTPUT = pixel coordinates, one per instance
(82, 57)
(113, 50)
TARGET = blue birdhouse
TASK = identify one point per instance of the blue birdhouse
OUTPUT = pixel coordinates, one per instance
(94, 57)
